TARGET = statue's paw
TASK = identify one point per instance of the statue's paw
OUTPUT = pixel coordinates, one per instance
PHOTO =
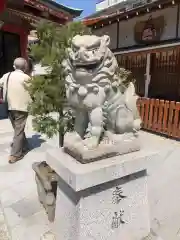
(77, 137)
(137, 124)
(91, 142)
(73, 136)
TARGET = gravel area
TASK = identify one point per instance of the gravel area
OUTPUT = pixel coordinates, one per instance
(4, 235)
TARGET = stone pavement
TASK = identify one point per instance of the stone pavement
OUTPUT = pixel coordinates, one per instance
(163, 184)
(24, 215)
(26, 218)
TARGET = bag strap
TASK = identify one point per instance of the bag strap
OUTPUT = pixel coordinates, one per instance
(7, 83)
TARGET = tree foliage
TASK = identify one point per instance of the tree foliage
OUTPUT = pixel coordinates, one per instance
(48, 91)
(125, 77)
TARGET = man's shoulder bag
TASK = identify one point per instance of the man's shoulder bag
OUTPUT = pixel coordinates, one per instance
(5, 100)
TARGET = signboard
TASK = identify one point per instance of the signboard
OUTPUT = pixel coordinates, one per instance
(149, 31)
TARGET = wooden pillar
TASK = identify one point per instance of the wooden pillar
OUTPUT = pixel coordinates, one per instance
(147, 74)
(177, 21)
(117, 42)
(24, 44)
(2, 5)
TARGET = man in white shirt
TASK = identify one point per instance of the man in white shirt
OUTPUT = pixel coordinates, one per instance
(18, 100)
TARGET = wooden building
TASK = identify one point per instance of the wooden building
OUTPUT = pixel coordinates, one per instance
(16, 19)
(146, 40)
(145, 37)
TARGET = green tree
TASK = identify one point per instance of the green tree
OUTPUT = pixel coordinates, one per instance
(48, 91)
(125, 77)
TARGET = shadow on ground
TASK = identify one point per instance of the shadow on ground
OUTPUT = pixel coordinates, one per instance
(35, 141)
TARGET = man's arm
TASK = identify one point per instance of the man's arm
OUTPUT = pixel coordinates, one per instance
(27, 82)
(1, 87)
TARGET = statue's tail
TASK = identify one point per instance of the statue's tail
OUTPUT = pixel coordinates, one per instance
(131, 103)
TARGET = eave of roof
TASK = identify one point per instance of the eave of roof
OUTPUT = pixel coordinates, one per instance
(91, 21)
(29, 17)
(73, 11)
(121, 14)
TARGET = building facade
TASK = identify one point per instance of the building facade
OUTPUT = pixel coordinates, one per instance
(146, 40)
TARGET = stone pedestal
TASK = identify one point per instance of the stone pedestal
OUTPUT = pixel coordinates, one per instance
(103, 200)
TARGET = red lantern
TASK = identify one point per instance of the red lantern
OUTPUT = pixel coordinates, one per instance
(2, 5)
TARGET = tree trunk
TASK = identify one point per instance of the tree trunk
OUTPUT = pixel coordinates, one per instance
(61, 133)
(61, 139)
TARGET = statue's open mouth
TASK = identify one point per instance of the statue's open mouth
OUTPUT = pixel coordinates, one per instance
(86, 66)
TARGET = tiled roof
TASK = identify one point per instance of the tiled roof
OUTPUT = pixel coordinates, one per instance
(74, 12)
(91, 21)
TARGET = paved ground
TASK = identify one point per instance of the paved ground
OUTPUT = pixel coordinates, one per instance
(164, 189)
(25, 215)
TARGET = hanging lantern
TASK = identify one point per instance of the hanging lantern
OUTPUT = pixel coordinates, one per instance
(2, 5)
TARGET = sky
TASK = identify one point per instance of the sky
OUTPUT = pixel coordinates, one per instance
(89, 6)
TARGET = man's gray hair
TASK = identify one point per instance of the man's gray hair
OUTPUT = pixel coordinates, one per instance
(20, 64)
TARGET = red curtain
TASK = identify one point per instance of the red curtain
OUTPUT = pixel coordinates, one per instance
(2, 5)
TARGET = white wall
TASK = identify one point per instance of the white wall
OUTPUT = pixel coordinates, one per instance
(106, 4)
(126, 28)
(110, 30)
(102, 5)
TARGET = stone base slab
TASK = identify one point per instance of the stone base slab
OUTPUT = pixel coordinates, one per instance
(110, 146)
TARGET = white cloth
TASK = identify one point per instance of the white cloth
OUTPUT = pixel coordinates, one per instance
(18, 98)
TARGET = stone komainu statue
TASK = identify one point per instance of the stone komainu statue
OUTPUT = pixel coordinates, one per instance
(93, 90)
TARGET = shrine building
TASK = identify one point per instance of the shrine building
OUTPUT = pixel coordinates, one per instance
(16, 19)
(145, 38)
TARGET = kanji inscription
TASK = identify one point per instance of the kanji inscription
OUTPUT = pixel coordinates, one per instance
(117, 195)
(117, 219)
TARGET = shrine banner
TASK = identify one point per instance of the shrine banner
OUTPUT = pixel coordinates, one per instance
(149, 31)
(2, 5)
